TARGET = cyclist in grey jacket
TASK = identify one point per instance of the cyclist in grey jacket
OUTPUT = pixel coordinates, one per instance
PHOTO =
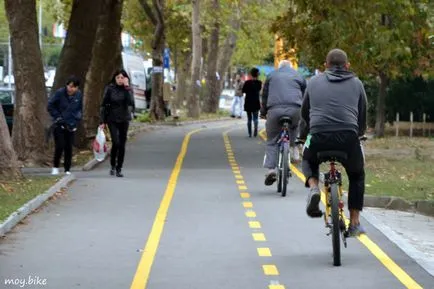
(334, 112)
(282, 96)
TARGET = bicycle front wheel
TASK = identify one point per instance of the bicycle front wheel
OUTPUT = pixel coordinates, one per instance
(285, 168)
(335, 225)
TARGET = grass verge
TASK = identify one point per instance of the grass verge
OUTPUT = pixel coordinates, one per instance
(400, 167)
(14, 194)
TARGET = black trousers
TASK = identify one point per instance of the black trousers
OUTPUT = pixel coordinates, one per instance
(345, 141)
(63, 140)
(118, 133)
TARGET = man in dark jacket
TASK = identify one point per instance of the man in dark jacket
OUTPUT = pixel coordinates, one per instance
(282, 96)
(65, 108)
(334, 111)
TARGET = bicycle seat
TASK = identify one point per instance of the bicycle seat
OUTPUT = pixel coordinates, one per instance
(325, 156)
(285, 119)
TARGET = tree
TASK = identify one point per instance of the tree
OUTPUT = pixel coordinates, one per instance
(104, 62)
(9, 167)
(77, 51)
(384, 39)
(193, 100)
(31, 98)
(155, 14)
(211, 104)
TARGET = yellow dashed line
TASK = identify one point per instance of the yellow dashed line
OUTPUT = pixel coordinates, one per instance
(264, 252)
(247, 205)
(270, 270)
(251, 214)
(245, 195)
(276, 286)
(254, 225)
(259, 237)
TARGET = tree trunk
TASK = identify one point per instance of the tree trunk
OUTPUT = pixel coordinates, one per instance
(182, 86)
(9, 167)
(193, 102)
(228, 49)
(211, 104)
(104, 63)
(76, 53)
(380, 118)
(157, 97)
(30, 114)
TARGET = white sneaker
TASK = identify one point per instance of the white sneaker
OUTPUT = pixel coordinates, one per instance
(67, 172)
(55, 171)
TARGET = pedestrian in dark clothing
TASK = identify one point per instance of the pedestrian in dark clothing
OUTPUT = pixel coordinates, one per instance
(66, 109)
(116, 109)
(252, 104)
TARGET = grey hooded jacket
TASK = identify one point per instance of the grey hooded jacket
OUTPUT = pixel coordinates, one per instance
(283, 88)
(334, 101)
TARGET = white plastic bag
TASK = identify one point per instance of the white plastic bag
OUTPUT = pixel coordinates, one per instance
(100, 145)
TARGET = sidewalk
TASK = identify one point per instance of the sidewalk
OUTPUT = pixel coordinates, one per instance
(413, 233)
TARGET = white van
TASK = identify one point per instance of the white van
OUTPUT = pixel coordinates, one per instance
(133, 64)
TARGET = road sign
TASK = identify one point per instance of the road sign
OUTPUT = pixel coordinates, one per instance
(166, 58)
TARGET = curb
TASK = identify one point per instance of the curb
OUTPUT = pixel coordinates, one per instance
(399, 241)
(395, 203)
(33, 204)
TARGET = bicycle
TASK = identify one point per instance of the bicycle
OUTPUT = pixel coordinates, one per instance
(284, 156)
(334, 217)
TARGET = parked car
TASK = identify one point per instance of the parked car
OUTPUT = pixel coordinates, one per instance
(7, 100)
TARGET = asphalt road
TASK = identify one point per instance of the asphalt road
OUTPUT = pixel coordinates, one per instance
(193, 212)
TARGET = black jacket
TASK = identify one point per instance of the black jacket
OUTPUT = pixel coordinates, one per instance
(252, 88)
(117, 104)
(65, 109)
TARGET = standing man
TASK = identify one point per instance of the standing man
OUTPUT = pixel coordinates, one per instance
(238, 98)
(282, 96)
(66, 110)
(334, 110)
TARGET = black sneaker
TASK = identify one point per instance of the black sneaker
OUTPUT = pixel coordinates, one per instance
(313, 199)
(270, 178)
(112, 171)
(119, 174)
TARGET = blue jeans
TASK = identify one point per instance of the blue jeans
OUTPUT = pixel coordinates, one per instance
(252, 116)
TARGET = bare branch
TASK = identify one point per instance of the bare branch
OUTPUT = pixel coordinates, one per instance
(148, 11)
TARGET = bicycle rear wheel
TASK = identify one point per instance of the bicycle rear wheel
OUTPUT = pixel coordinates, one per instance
(336, 241)
(285, 168)
(279, 170)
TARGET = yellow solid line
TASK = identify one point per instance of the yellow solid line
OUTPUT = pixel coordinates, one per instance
(144, 267)
(270, 270)
(247, 205)
(264, 252)
(251, 214)
(245, 195)
(394, 268)
(254, 225)
(260, 237)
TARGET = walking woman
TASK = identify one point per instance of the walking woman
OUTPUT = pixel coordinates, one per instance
(116, 109)
(252, 103)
